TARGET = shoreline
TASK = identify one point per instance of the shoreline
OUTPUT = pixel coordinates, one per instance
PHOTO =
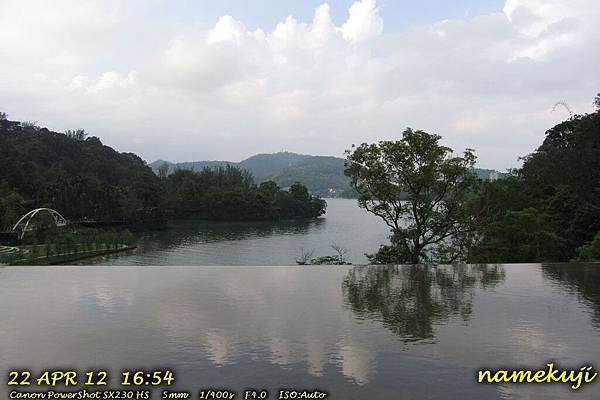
(67, 258)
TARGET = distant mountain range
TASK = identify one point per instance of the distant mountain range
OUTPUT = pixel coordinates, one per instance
(322, 175)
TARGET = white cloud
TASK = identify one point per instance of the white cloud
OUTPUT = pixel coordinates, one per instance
(111, 80)
(364, 22)
(186, 92)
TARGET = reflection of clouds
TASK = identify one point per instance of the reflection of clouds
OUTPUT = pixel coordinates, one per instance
(280, 351)
(109, 298)
(80, 312)
(357, 362)
(527, 336)
(506, 391)
(530, 338)
(221, 349)
(268, 313)
(315, 353)
(179, 323)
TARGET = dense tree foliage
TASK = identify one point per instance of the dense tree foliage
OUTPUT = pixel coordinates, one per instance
(551, 206)
(80, 177)
(590, 251)
(11, 206)
(88, 181)
(420, 190)
(230, 193)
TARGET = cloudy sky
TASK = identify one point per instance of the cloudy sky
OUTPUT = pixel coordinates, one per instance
(186, 80)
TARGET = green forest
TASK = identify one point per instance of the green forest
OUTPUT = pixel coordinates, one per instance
(438, 210)
(86, 180)
(229, 193)
(549, 209)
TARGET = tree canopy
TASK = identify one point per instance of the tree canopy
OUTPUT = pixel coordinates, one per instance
(79, 176)
(230, 193)
(421, 191)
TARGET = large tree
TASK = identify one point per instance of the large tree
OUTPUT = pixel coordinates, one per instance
(421, 191)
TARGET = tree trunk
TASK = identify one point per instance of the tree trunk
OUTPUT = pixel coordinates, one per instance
(415, 256)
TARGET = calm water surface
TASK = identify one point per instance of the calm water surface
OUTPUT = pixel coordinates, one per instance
(259, 243)
(404, 332)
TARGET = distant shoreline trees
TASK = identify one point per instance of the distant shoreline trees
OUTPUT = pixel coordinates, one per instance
(229, 193)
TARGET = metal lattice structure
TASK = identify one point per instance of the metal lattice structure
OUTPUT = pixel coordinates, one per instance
(565, 106)
(24, 223)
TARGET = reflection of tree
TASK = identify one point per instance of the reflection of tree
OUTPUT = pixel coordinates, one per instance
(581, 279)
(201, 231)
(410, 299)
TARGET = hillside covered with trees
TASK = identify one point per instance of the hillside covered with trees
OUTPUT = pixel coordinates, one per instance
(548, 210)
(86, 180)
(76, 175)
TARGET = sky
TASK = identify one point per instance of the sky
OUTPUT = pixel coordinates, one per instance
(185, 80)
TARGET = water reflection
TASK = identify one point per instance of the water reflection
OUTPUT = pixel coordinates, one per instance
(583, 280)
(305, 327)
(196, 242)
(411, 299)
(198, 231)
(258, 242)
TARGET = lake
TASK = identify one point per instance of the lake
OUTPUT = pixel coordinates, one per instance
(198, 242)
(404, 332)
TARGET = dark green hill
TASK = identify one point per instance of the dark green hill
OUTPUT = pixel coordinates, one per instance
(79, 177)
(265, 166)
